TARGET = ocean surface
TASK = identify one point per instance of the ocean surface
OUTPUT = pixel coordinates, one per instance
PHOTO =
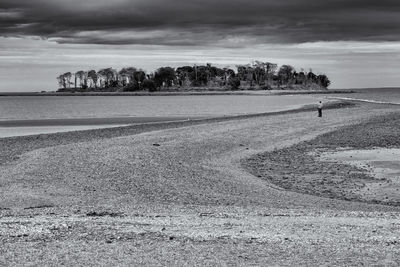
(25, 115)
(67, 107)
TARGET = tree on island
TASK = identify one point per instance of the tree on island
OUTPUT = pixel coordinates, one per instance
(165, 76)
(92, 75)
(135, 78)
(183, 75)
(323, 80)
(82, 77)
(108, 77)
(285, 75)
(64, 80)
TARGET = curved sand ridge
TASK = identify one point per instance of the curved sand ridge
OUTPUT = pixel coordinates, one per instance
(176, 196)
(310, 167)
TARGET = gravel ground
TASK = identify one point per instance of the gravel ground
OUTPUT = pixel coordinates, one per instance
(178, 194)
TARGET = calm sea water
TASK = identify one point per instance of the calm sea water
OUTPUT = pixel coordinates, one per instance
(44, 114)
(66, 107)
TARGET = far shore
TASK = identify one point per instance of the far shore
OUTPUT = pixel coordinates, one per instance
(178, 93)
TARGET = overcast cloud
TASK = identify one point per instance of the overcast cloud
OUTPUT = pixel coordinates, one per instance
(355, 42)
(201, 22)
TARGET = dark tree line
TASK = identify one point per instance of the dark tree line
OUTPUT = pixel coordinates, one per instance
(258, 75)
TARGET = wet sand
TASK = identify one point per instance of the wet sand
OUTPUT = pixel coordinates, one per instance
(177, 193)
(92, 121)
(382, 164)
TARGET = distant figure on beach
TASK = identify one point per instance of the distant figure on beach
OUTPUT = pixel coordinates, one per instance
(320, 109)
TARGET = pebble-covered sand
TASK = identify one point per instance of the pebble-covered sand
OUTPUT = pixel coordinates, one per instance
(182, 194)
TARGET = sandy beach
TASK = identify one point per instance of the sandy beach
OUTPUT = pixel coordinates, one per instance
(200, 192)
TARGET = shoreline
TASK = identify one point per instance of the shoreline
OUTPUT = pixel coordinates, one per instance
(13, 146)
(364, 100)
(122, 111)
(15, 128)
(93, 121)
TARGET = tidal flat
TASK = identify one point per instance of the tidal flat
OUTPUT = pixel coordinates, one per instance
(185, 193)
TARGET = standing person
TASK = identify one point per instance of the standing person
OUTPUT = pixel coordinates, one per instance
(320, 109)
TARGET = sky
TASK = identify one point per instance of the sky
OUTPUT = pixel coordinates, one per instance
(355, 42)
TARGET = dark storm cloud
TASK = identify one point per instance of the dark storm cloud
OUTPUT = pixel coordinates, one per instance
(201, 22)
